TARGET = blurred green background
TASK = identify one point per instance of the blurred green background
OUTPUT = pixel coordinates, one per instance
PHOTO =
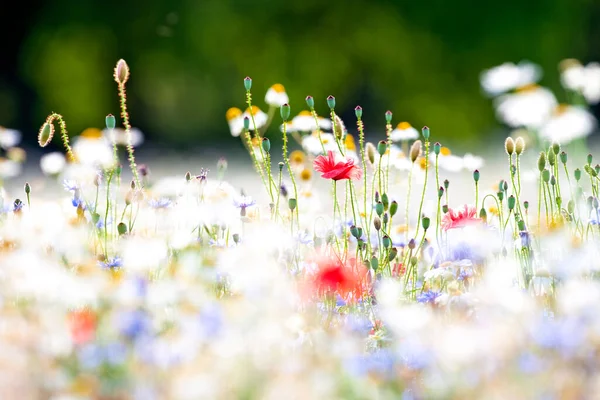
(420, 59)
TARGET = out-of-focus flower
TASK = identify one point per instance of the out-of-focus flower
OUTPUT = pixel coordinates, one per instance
(83, 325)
(276, 96)
(111, 263)
(260, 117)
(404, 131)
(583, 79)
(568, 123)
(305, 122)
(428, 297)
(460, 218)
(235, 119)
(91, 149)
(9, 138)
(160, 204)
(119, 136)
(472, 162)
(333, 276)
(330, 168)
(16, 154)
(9, 168)
(312, 145)
(52, 163)
(447, 161)
(530, 106)
(508, 76)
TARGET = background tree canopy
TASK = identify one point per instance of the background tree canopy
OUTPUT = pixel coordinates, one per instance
(420, 59)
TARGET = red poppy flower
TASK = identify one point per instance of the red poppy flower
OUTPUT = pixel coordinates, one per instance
(460, 218)
(336, 170)
(83, 326)
(344, 279)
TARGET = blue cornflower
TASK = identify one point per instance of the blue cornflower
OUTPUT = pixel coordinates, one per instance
(78, 202)
(70, 186)
(358, 324)
(244, 202)
(211, 320)
(381, 362)
(160, 203)
(111, 263)
(134, 324)
(525, 239)
(100, 223)
(465, 274)
(17, 206)
(303, 237)
(428, 296)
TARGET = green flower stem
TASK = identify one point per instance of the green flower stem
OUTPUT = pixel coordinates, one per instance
(290, 172)
(127, 125)
(110, 175)
(63, 133)
(424, 186)
(278, 195)
(316, 118)
(408, 200)
(361, 142)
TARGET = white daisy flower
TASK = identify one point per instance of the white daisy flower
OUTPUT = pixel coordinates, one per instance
(9, 137)
(472, 162)
(529, 106)
(52, 163)
(235, 120)
(305, 122)
(276, 96)
(447, 161)
(93, 150)
(260, 117)
(509, 76)
(583, 79)
(568, 123)
(118, 135)
(312, 145)
(404, 131)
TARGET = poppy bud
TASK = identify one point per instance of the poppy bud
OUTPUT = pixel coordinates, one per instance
(542, 161)
(445, 208)
(386, 241)
(500, 196)
(393, 208)
(358, 112)
(483, 214)
(509, 146)
(121, 72)
(476, 175)
(425, 132)
(551, 158)
(246, 123)
(571, 206)
(446, 184)
(437, 148)
(236, 238)
(577, 174)
(555, 148)
(188, 176)
(563, 157)
(589, 159)
(393, 254)
(385, 200)
(27, 188)
(386, 219)
(388, 117)
(381, 147)
(46, 134)
(521, 225)
(354, 231)
(412, 244)
(292, 203)
(440, 192)
(519, 146)
(379, 208)
(546, 175)
(110, 121)
(377, 223)
(415, 151)
(248, 83)
(526, 205)
(374, 263)
(266, 145)
(370, 149)
(285, 111)
(310, 102)
(425, 222)
(331, 102)
(122, 228)
(511, 202)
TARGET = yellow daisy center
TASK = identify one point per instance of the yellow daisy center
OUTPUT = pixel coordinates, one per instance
(349, 142)
(253, 110)
(423, 162)
(568, 63)
(493, 210)
(305, 175)
(561, 109)
(403, 125)
(531, 87)
(278, 87)
(304, 113)
(402, 228)
(232, 113)
(92, 133)
(297, 157)
(445, 151)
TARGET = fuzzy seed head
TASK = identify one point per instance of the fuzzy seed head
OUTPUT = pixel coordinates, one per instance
(121, 72)
(370, 150)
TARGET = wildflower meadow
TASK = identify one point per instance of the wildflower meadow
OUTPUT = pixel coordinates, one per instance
(355, 262)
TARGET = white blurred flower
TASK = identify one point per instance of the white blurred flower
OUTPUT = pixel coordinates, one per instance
(9, 168)
(235, 119)
(53, 163)
(568, 123)
(404, 131)
(530, 106)
(472, 162)
(143, 254)
(9, 137)
(93, 151)
(447, 161)
(305, 122)
(312, 145)
(583, 79)
(508, 76)
(260, 117)
(276, 96)
(119, 136)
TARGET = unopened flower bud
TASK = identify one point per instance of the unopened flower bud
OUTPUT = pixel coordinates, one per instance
(526, 205)
(393, 208)
(331, 102)
(379, 208)
(483, 214)
(551, 158)
(437, 148)
(509, 146)
(310, 102)
(122, 228)
(266, 145)
(285, 111)
(412, 244)
(246, 123)
(425, 222)
(570, 206)
(555, 148)
(381, 147)
(589, 159)
(521, 225)
(110, 121)
(386, 219)
(27, 188)
(292, 203)
(248, 83)
(563, 157)
(577, 174)
(188, 176)
(374, 263)
(121, 74)
(542, 161)
(445, 208)
(476, 175)
(386, 241)
(440, 192)
(511, 202)
(370, 150)
(393, 254)
(500, 195)
(377, 223)
(519, 146)
(446, 184)
(358, 112)
(46, 134)
(388, 117)
(546, 175)
(385, 200)
(415, 151)
(425, 132)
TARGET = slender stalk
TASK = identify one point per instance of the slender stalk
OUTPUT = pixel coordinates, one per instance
(127, 125)
(424, 186)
